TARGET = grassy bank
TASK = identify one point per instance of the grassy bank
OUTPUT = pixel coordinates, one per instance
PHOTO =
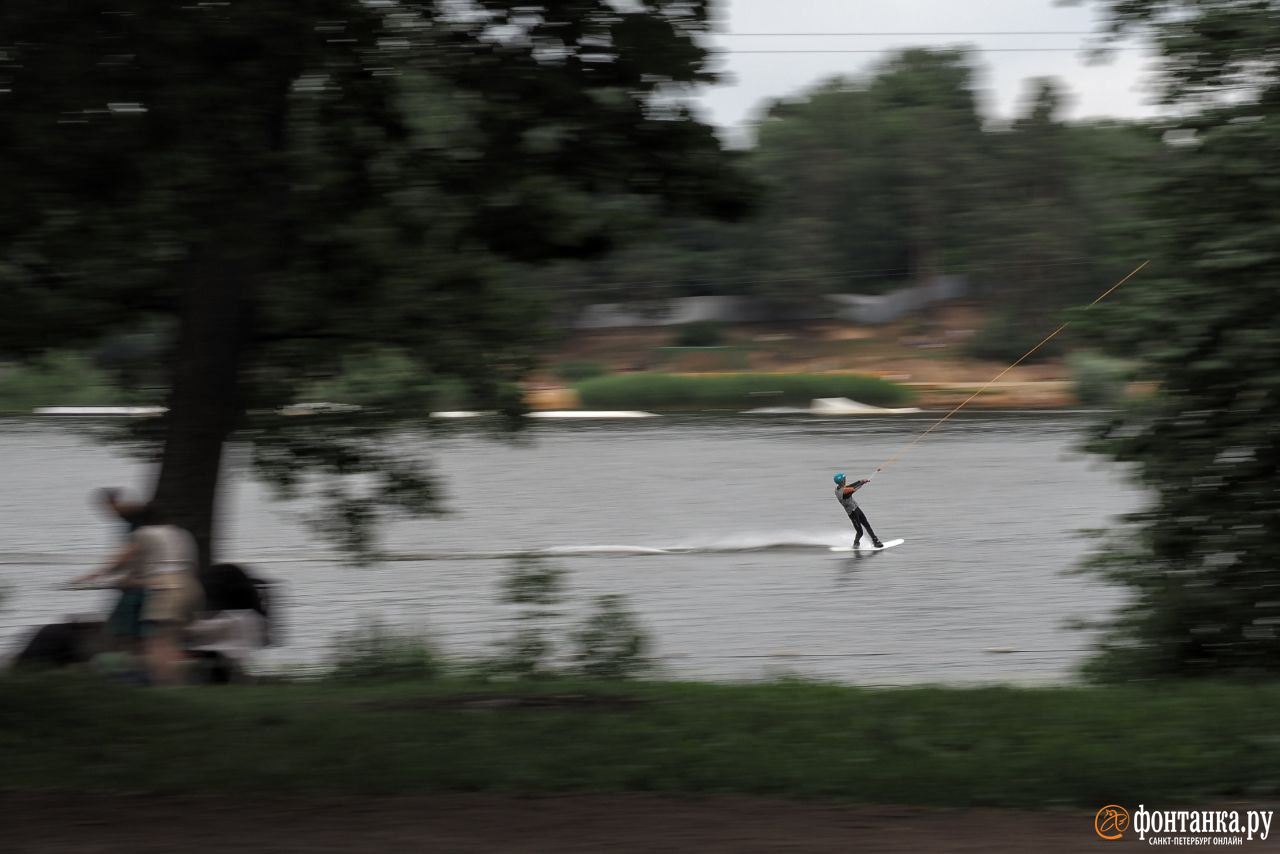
(1000, 746)
(733, 391)
(57, 379)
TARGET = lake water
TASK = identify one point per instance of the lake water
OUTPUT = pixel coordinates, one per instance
(716, 530)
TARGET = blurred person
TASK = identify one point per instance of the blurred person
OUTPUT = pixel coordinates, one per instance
(113, 500)
(844, 494)
(124, 623)
(161, 559)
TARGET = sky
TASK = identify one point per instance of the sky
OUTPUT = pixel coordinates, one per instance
(1118, 87)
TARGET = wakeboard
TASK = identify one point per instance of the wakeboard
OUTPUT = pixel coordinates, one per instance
(868, 548)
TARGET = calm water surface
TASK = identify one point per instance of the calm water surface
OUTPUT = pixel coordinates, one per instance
(716, 530)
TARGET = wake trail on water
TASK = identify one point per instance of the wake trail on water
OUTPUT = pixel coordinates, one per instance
(725, 544)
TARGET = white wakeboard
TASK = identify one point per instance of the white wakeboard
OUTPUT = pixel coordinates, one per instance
(866, 548)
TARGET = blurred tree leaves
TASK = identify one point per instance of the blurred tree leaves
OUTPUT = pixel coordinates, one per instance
(296, 184)
(876, 182)
(1203, 560)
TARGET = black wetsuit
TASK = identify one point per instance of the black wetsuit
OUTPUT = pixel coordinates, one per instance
(856, 516)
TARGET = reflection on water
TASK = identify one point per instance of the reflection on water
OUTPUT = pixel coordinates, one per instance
(716, 529)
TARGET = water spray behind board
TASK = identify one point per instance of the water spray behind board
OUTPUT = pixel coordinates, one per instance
(903, 450)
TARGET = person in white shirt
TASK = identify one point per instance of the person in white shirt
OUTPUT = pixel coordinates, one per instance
(162, 559)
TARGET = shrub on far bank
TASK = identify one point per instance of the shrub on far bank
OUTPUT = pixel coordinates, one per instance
(1099, 380)
(701, 333)
(60, 378)
(1004, 339)
(734, 391)
(387, 379)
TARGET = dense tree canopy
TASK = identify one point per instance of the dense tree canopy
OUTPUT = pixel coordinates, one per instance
(287, 186)
(1203, 561)
(879, 181)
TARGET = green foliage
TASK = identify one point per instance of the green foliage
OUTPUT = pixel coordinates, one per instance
(390, 382)
(702, 333)
(1010, 747)
(375, 654)
(534, 584)
(56, 378)
(876, 182)
(1115, 168)
(734, 391)
(291, 187)
(576, 370)
(1202, 561)
(1035, 238)
(537, 588)
(611, 644)
(1004, 339)
(871, 182)
(1099, 380)
(1220, 52)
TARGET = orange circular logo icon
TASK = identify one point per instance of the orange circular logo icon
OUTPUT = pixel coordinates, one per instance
(1111, 821)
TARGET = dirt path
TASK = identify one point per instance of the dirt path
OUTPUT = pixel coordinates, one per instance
(36, 824)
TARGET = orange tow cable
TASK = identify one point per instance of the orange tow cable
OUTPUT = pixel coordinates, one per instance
(996, 378)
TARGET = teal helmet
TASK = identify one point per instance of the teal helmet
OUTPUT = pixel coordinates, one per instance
(839, 478)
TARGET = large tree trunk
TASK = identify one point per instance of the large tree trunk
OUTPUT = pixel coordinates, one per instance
(243, 242)
(205, 403)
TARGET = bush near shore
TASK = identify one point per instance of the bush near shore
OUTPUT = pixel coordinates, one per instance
(57, 379)
(1081, 746)
(734, 391)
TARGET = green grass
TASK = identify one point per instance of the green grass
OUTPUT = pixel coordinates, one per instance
(994, 746)
(733, 391)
